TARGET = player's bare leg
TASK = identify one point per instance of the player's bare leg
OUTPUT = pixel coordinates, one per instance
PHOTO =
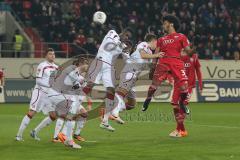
(25, 122)
(45, 122)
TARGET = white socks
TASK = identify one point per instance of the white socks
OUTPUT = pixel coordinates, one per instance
(25, 121)
(108, 109)
(58, 127)
(80, 125)
(69, 129)
(120, 105)
(45, 122)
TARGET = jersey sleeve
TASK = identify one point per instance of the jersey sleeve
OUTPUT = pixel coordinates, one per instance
(76, 77)
(113, 36)
(185, 42)
(197, 63)
(1, 74)
(143, 46)
(39, 72)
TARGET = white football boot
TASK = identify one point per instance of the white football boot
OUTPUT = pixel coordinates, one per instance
(107, 127)
(72, 144)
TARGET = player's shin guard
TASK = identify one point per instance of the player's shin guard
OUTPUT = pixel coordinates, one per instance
(25, 121)
(109, 101)
(58, 127)
(45, 122)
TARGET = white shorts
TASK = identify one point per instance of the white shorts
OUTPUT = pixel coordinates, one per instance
(39, 99)
(76, 103)
(55, 99)
(63, 104)
(101, 72)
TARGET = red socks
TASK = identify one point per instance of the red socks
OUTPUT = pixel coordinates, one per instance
(179, 116)
(151, 90)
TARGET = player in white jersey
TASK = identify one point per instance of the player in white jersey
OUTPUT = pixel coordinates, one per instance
(65, 100)
(76, 79)
(137, 62)
(102, 69)
(45, 74)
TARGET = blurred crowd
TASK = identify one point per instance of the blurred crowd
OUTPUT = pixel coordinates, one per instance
(213, 26)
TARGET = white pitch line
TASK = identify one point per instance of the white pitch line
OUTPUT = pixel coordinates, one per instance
(192, 123)
(215, 126)
(90, 141)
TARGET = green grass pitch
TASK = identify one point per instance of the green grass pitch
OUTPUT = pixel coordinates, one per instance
(214, 134)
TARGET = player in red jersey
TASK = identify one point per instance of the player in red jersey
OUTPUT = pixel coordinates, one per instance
(2, 80)
(192, 68)
(172, 45)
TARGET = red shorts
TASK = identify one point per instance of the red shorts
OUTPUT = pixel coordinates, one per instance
(171, 66)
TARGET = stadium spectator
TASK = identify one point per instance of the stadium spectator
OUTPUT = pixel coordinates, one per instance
(18, 43)
(217, 22)
(2, 79)
(236, 55)
(80, 38)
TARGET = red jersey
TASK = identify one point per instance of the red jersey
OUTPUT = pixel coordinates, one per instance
(192, 68)
(1, 74)
(172, 45)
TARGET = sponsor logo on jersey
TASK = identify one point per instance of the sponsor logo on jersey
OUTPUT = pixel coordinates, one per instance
(168, 41)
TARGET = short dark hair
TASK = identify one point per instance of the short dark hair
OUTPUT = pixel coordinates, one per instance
(49, 50)
(80, 60)
(128, 29)
(149, 37)
(174, 20)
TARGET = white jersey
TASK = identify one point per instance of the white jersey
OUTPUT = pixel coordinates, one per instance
(136, 56)
(110, 48)
(68, 78)
(46, 72)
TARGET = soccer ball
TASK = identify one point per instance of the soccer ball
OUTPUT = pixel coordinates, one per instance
(99, 17)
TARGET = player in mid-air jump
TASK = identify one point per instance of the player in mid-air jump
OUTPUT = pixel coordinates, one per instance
(172, 45)
(102, 69)
(135, 64)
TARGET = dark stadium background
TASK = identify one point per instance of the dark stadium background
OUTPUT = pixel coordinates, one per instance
(213, 26)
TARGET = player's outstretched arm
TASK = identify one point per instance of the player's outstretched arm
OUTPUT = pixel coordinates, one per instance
(190, 50)
(145, 55)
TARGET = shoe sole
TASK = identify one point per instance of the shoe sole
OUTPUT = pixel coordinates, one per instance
(107, 129)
